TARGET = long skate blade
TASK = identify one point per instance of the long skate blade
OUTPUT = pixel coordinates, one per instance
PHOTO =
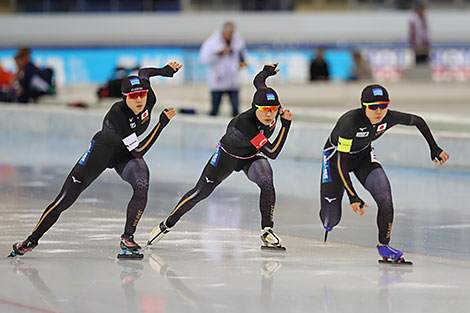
(326, 236)
(400, 261)
(133, 256)
(273, 248)
(130, 254)
(150, 241)
(147, 245)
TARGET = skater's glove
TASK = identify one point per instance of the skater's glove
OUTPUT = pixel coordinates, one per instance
(286, 117)
(285, 122)
(164, 120)
(435, 154)
(270, 69)
(357, 204)
(354, 199)
(168, 71)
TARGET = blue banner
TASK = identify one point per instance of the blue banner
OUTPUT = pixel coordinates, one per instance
(97, 65)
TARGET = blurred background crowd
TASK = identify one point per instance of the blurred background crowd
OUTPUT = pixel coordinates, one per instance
(53, 45)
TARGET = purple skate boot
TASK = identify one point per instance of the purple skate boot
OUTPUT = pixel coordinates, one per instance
(391, 255)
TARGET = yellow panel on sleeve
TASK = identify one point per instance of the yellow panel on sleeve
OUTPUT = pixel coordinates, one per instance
(344, 145)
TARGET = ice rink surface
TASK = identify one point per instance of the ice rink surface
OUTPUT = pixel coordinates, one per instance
(212, 261)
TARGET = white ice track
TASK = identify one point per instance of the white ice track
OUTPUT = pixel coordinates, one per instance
(212, 261)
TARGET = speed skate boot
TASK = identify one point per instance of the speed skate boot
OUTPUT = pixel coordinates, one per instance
(391, 255)
(158, 233)
(270, 240)
(130, 249)
(20, 248)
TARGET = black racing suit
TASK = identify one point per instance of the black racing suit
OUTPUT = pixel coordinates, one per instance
(244, 147)
(348, 149)
(115, 146)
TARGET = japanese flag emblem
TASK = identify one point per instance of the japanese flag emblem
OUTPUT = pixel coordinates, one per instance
(144, 115)
(382, 127)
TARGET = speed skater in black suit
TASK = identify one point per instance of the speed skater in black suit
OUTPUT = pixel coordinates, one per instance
(349, 149)
(244, 146)
(116, 146)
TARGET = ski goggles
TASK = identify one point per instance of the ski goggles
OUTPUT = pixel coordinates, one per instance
(375, 105)
(135, 94)
(267, 109)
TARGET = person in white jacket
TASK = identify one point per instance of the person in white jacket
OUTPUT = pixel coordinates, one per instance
(418, 36)
(224, 53)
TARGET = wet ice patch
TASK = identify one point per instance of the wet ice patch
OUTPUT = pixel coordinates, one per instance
(88, 200)
(451, 226)
(32, 184)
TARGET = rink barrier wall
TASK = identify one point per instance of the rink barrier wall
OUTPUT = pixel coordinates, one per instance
(402, 146)
(257, 27)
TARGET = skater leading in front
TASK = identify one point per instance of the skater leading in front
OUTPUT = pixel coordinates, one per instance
(349, 149)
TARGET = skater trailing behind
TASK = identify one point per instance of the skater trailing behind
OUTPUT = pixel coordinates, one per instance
(349, 149)
(115, 146)
(244, 146)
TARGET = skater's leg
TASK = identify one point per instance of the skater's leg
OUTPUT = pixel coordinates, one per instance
(219, 167)
(72, 188)
(261, 173)
(372, 176)
(136, 173)
(81, 176)
(207, 182)
(378, 185)
(331, 194)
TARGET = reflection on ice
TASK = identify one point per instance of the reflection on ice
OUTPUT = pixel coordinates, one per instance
(212, 261)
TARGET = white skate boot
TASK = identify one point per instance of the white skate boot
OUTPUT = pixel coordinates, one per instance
(270, 240)
(158, 233)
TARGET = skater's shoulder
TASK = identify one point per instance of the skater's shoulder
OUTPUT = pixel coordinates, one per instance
(351, 118)
(352, 114)
(247, 118)
(118, 111)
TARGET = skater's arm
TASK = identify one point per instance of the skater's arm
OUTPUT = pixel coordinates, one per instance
(356, 203)
(272, 150)
(437, 154)
(148, 142)
(167, 71)
(118, 131)
(260, 78)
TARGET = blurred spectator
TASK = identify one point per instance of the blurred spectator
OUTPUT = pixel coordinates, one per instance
(112, 88)
(418, 34)
(361, 69)
(7, 91)
(224, 53)
(33, 82)
(319, 67)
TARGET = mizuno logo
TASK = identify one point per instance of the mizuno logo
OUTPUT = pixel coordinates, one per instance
(208, 180)
(76, 180)
(330, 199)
